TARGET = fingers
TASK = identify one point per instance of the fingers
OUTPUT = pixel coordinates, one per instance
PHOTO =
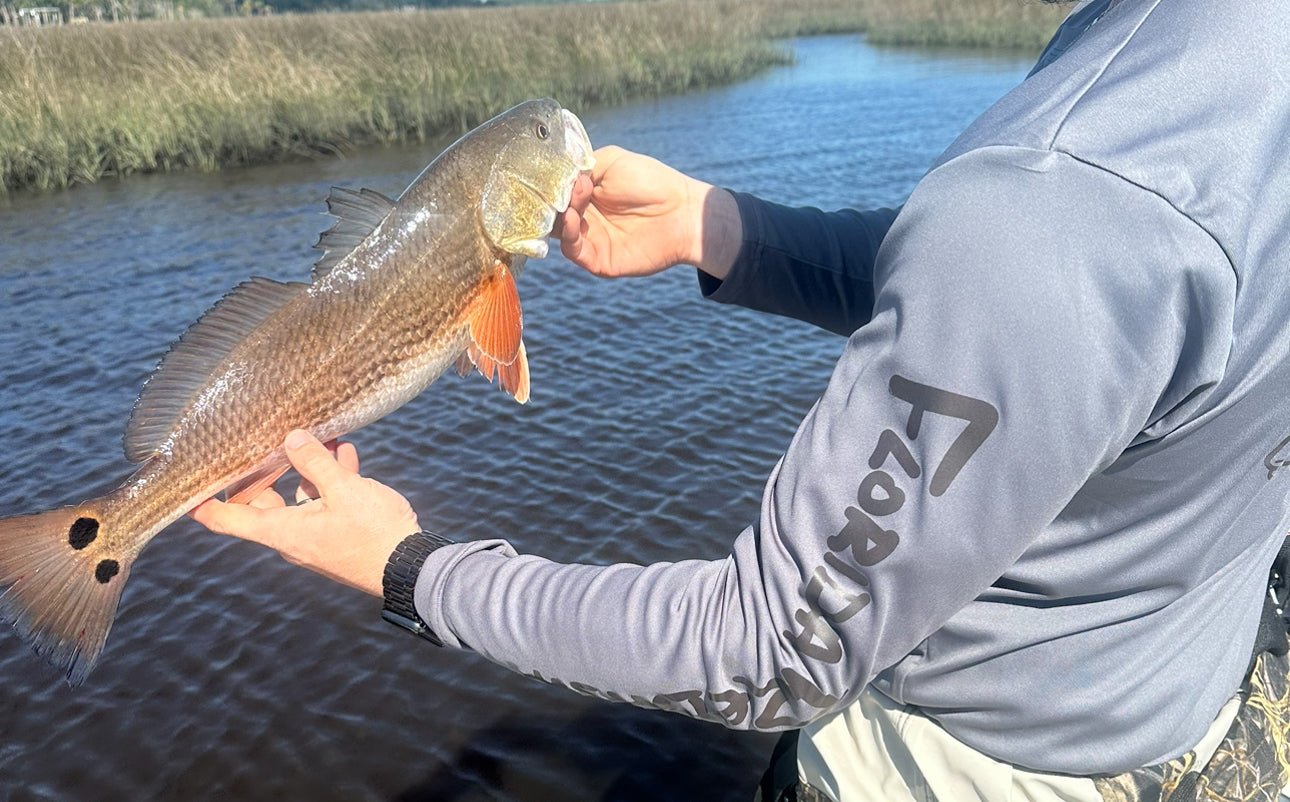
(572, 230)
(311, 459)
(605, 158)
(581, 195)
(239, 520)
(579, 198)
(574, 226)
(315, 464)
(570, 225)
(347, 535)
(345, 455)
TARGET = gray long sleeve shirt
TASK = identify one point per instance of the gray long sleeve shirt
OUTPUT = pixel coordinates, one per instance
(1040, 493)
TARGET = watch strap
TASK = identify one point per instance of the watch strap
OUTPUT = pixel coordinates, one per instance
(399, 582)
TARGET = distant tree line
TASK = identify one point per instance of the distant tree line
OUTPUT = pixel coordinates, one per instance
(16, 12)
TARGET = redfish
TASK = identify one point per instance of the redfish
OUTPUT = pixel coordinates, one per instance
(405, 288)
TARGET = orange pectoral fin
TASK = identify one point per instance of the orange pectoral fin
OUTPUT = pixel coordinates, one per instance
(496, 323)
(514, 377)
(496, 329)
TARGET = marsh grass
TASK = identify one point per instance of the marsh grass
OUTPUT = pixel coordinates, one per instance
(996, 24)
(81, 102)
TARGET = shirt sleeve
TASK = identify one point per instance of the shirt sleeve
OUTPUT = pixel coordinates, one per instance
(804, 263)
(1033, 315)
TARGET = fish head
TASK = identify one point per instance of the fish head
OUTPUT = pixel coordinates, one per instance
(539, 150)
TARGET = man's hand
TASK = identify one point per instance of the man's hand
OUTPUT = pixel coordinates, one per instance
(347, 534)
(635, 216)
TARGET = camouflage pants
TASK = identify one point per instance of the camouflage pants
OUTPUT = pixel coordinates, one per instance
(1252, 764)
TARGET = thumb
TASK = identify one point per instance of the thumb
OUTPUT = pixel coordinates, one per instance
(314, 462)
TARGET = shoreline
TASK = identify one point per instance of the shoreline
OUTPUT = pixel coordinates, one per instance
(87, 102)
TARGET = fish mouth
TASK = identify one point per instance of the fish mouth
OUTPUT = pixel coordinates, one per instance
(576, 142)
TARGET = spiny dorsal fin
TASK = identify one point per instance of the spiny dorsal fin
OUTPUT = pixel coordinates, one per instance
(357, 215)
(188, 366)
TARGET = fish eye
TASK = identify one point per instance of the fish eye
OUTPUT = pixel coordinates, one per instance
(542, 131)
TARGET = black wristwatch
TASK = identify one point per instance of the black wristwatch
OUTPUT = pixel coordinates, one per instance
(400, 580)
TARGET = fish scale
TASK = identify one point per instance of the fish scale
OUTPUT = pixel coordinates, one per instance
(404, 289)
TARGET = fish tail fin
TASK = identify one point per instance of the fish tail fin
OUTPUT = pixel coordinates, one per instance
(61, 584)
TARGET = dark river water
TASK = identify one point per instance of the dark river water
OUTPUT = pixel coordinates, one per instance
(655, 418)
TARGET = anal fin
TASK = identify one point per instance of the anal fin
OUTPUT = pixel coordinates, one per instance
(247, 488)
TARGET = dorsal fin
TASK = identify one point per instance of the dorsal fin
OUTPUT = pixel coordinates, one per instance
(198, 352)
(357, 215)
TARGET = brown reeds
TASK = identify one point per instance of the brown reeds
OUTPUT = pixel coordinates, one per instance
(81, 102)
(999, 24)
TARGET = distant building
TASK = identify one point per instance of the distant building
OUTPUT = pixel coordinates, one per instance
(41, 15)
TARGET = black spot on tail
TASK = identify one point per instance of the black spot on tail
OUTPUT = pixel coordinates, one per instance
(82, 533)
(106, 570)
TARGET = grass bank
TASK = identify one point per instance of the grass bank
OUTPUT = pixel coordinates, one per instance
(996, 24)
(78, 103)
(81, 102)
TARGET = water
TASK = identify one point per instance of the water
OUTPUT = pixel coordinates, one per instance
(655, 419)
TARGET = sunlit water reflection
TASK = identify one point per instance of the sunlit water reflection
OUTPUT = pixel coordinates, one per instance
(655, 418)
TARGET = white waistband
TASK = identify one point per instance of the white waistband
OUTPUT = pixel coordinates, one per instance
(878, 750)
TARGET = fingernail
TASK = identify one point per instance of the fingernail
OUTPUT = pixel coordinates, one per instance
(297, 438)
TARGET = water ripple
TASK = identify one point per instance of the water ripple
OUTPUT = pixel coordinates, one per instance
(654, 421)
